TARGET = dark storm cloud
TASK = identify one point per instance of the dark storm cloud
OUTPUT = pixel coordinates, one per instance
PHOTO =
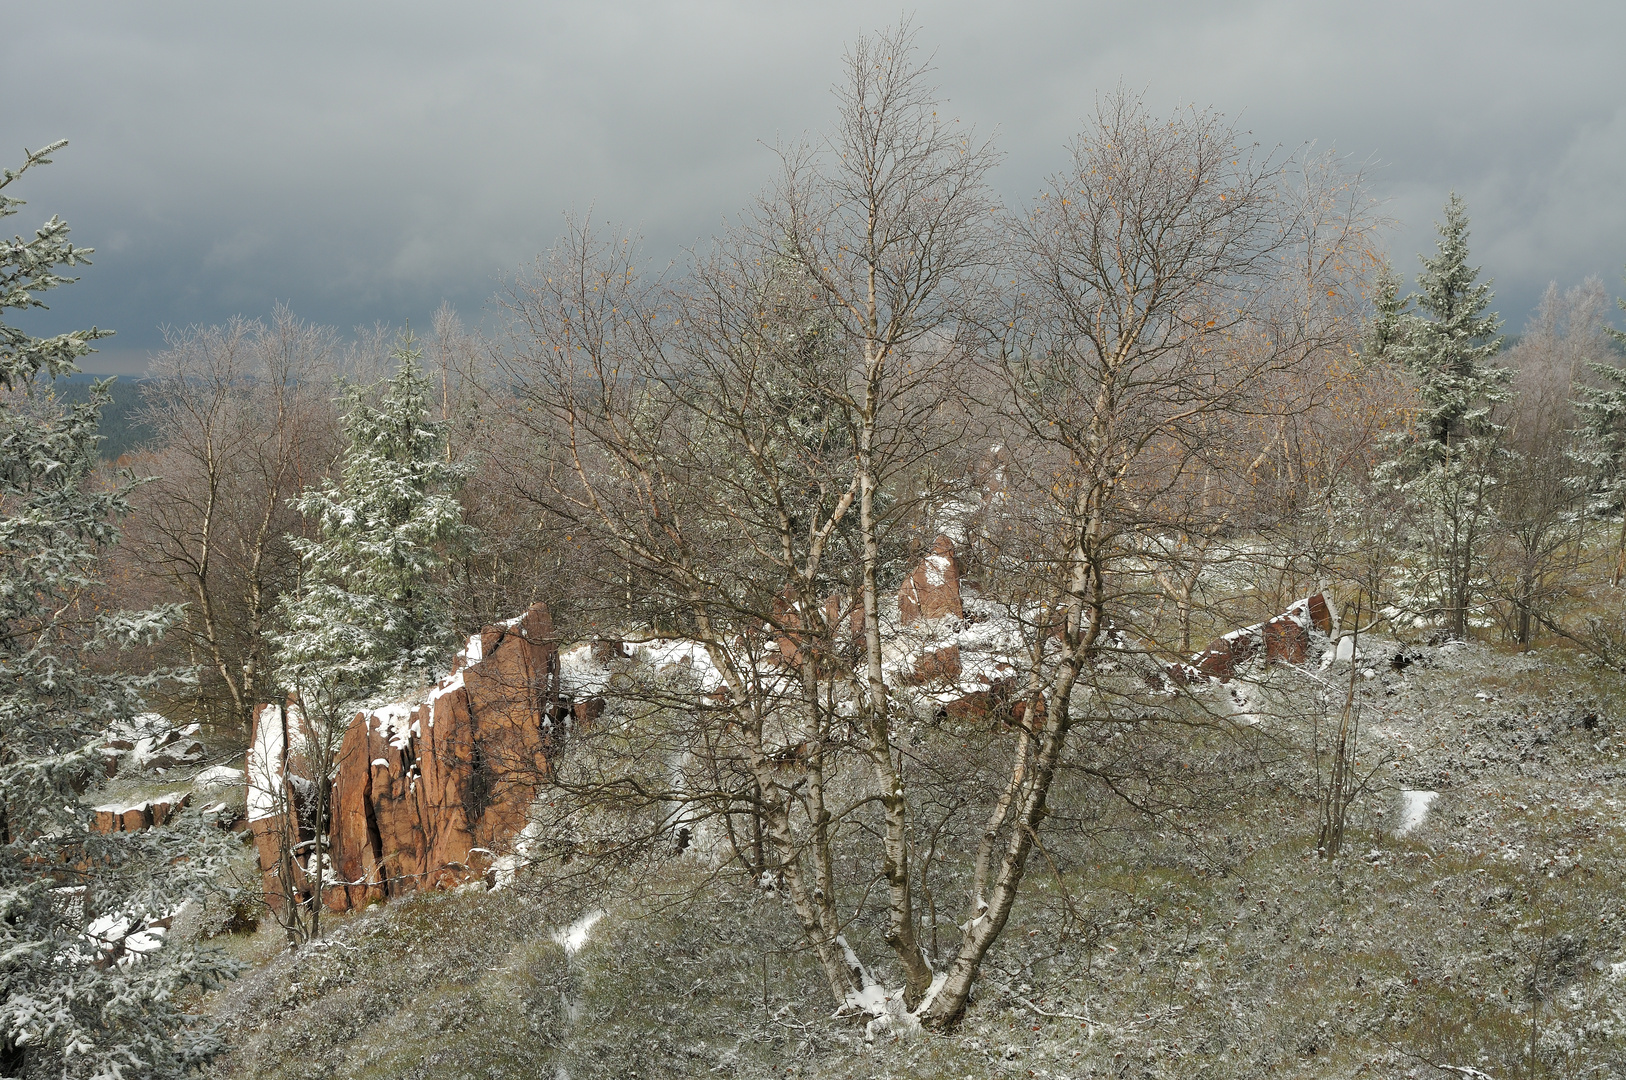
(365, 162)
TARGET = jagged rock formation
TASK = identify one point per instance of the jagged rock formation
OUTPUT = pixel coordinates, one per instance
(430, 793)
(426, 793)
(149, 743)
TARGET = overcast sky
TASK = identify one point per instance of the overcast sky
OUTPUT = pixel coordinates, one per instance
(365, 162)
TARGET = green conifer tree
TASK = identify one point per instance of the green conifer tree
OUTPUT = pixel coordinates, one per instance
(1445, 466)
(1600, 447)
(369, 621)
(89, 991)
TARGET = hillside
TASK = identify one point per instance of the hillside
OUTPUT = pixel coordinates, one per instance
(1210, 942)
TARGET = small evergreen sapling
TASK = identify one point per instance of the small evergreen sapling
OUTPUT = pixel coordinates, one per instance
(76, 906)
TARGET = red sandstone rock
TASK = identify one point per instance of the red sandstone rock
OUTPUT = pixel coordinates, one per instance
(1224, 655)
(932, 591)
(938, 665)
(1286, 638)
(798, 631)
(138, 816)
(1320, 614)
(416, 793)
(163, 808)
(1019, 714)
(972, 706)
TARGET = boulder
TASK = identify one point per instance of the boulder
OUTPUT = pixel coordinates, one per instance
(936, 666)
(1284, 639)
(1224, 655)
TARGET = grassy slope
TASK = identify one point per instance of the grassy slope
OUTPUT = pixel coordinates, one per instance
(1153, 948)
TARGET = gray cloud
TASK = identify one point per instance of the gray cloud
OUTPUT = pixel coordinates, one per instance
(366, 161)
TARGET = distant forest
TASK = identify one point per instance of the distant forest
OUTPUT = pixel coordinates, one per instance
(122, 428)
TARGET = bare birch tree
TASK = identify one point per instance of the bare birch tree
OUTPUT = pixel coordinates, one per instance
(241, 421)
(749, 438)
(1160, 291)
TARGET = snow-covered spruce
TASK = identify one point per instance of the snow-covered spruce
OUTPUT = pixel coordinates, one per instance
(78, 906)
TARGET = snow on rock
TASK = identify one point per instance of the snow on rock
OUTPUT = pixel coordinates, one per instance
(1285, 638)
(932, 591)
(267, 760)
(150, 743)
(125, 940)
(435, 792)
(134, 817)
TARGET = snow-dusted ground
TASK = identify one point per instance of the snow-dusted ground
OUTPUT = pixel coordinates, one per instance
(571, 938)
(1212, 943)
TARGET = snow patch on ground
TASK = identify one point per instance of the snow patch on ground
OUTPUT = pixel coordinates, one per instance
(580, 674)
(574, 936)
(218, 776)
(1413, 809)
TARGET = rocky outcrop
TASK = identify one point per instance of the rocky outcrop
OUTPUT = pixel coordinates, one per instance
(1283, 639)
(427, 792)
(932, 590)
(431, 793)
(149, 743)
(114, 818)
